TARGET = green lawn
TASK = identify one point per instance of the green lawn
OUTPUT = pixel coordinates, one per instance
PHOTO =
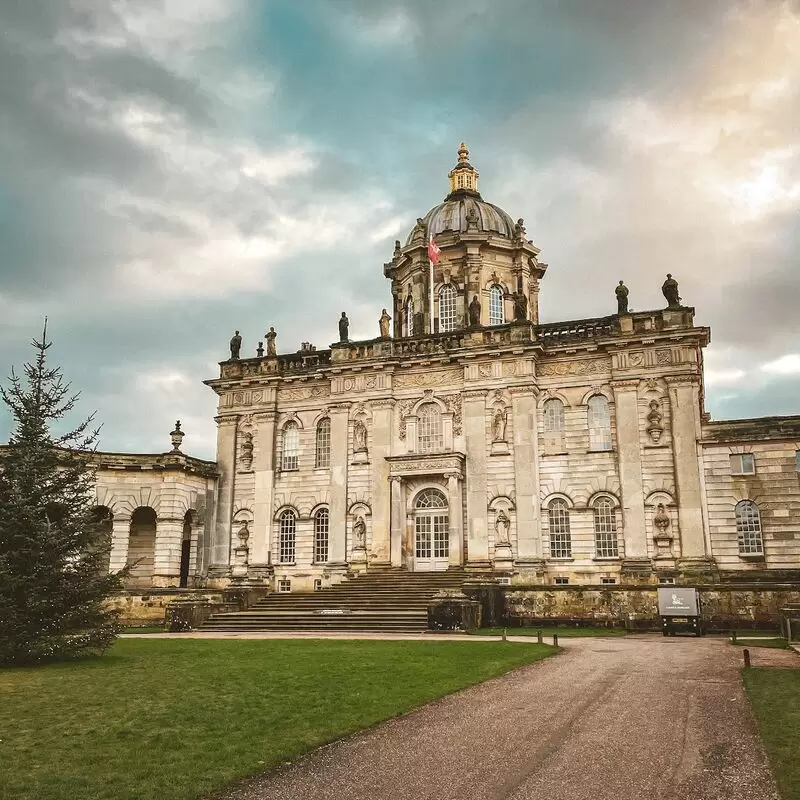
(169, 718)
(548, 632)
(144, 629)
(778, 643)
(775, 696)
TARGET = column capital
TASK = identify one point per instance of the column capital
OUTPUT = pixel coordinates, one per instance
(395, 480)
(226, 420)
(453, 476)
(523, 389)
(682, 380)
(631, 385)
(383, 402)
(475, 394)
(340, 406)
(265, 416)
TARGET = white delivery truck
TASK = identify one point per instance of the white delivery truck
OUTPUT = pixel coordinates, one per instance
(679, 608)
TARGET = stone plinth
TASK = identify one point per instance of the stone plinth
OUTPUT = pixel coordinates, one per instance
(453, 611)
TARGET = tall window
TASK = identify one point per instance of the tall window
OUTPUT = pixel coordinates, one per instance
(321, 524)
(291, 446)
(447, 308)
(432, 530)
(323, 459)
(496, 312)
(560, 536)
(553, 414)
(748, 528)
(409, 317)
(430, 437)
(605, 529)
(286, 542)
(599, 423)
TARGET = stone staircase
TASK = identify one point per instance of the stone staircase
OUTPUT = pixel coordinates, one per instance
(389, 601)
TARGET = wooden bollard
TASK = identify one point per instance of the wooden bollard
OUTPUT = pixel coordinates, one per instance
(746, 654)
(505, 637)
(539, 636)
(733, 636)
(555, 640)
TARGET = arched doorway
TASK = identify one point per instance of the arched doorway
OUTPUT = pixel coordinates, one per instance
(186, 549)
(431, 531)
(142, 546)
(103, 518)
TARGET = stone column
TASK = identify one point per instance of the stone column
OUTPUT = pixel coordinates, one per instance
(120, 534)
(474, 410)
(455, 512)
(626, 400)
(337, 532)
(526, 474)
(381, 434)
(685, 410)
(226, 462)
(167, 555)
(398, 520)
(260, 542)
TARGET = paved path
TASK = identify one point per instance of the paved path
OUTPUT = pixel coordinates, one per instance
(636, 718)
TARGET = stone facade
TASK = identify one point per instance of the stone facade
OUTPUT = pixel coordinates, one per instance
(478, 437)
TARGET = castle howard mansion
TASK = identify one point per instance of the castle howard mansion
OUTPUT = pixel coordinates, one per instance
(467, 434)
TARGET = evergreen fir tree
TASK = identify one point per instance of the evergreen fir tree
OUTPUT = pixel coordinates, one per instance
(53, 550)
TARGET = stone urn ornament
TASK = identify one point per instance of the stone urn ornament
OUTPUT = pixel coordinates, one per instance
(654, 426)
(176, 437)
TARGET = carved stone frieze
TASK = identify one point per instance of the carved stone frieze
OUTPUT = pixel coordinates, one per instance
(342, 384)
(567, 368)
(303, 393)
(248, 397)
(648, 357)
(425, 464)
(413, 380)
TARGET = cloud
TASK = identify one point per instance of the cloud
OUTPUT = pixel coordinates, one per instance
(788, 364)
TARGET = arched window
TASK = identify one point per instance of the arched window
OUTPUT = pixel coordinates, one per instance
(748, 528)
(430, 437)
(410, 317)
(447, 308)
(323, 459)
(605, 529)
(287, 535)
(432, 531)
(496, 312)
(321, 526)
(599, 423)
(291, 446)
(560, 536)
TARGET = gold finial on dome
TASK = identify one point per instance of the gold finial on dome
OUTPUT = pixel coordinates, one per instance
(463, 176)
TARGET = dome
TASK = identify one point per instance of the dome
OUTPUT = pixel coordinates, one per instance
(463, 209)
(462, 212)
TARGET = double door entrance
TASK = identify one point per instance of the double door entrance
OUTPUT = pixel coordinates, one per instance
(431, 532)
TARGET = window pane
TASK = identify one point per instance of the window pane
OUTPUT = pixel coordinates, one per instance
(291, 446)
(599, 423)
(410, 317)
(553, 416)
(321, 527)
(605, 530)
(323, 444)
(560, 536)
(748, 528)
(431, 498)
(447, 308)
(496, 313)
(430, 436)
(287, 537)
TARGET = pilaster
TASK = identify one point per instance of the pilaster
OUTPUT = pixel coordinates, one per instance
(474, 411)
(455, 512)
(398, 519)
(629, 456)
(337, 532)
(264, 474)
(167, 551)
(120, 534)
(526, 471)
(382, 427)
(226, 461)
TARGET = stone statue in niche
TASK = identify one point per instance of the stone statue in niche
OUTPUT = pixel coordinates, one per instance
(359, 437)
(475, 312)
(359, 533)
(499, 424)
(520, 307)
(246, 455)
(236, 346)
(654, 426)
(270, 336)
(670, 291)
(244, 534)
(344, 327)
(502, 524)
(383, 324)
(622, 298)
(661, 519)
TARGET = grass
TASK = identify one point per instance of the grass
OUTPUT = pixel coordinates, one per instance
(775, 697)
(176, 719)
(144, 629)
(777, 643)
(548, 632)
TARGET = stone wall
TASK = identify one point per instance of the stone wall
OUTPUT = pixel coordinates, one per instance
(149, 608)
(724, 607)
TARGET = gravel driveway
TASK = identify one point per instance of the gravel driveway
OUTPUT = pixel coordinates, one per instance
(623, 718)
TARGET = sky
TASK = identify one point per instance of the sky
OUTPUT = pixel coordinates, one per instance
(173, 170)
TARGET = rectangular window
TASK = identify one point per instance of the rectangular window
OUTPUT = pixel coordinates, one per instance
(666, 581)
(608, 581)
(743, 464)
(317, 584)
(284, 585)
(323, 459)
(561, 581)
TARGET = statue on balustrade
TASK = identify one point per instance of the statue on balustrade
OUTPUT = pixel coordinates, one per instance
(622, 298)
(670, 291)
(270, 336)
(520, 307)
(383, 323)
(236, 345)
(475, 313)
(344, 327)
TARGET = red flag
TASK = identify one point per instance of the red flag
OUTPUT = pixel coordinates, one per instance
(433, 251)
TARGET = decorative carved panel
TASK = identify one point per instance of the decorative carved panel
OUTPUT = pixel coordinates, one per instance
(413, 380)
(580, 367)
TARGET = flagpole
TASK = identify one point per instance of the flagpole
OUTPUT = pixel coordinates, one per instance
(430, 266)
